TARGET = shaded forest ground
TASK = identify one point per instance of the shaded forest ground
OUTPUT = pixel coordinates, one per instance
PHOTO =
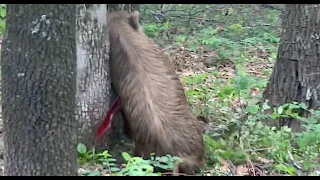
(224, 55)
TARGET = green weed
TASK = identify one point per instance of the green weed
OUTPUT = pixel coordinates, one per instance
(135, 166)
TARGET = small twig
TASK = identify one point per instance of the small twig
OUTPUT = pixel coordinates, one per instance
(197, 18)
(221, 172)
(232, 168)
(259, 149)
(260, 172)
(247, 159)
(252, 167)
(296, 164)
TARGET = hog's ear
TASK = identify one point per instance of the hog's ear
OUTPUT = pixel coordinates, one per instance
(134, 20)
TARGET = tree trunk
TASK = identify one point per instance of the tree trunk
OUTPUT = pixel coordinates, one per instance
(295, 76)
(93, 81)
(38, 85)
(94, 94)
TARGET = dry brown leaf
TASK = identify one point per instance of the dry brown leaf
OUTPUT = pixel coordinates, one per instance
(187, 73)
(264, 160)
(225, 165)
(242, 171)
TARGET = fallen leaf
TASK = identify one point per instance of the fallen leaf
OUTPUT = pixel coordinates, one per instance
(264, 160)
(225, 165)
(242, 171)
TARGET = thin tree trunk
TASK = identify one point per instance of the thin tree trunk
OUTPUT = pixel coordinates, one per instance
(93, 81)
(94, 94)
(296, 76)
(38, 85)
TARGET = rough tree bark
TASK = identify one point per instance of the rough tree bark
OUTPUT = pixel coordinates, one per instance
(296, 76)
(93, 81)
(38, 68)
(94, 94)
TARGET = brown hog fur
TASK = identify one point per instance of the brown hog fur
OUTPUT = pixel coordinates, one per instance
(152, 95)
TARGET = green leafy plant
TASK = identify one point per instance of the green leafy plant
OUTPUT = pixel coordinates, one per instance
(235, 129)
(137, 166)
(105, 159)
(3, 13)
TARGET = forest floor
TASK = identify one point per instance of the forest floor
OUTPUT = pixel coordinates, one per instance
(224, 76)
(189, 64)
(251, 149)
